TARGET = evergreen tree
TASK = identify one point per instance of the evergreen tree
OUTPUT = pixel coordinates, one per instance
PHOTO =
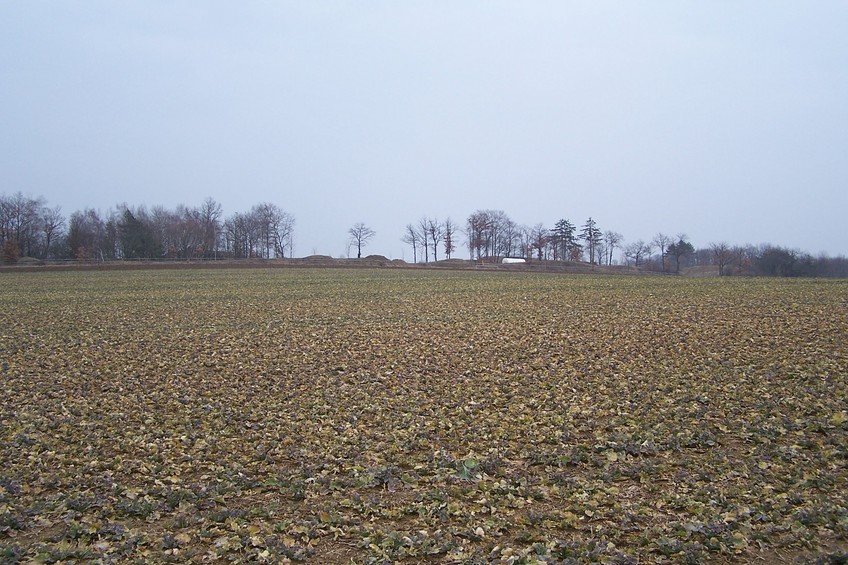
(138, 239)
(593, 237)
(680, 250)
(564, 240)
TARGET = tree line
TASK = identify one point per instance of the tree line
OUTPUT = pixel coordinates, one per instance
(491, 236)
(29, 227)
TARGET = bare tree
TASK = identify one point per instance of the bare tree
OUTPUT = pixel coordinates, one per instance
(538, 239)
(10, 251)
(423, 237)
(242, 235)
(435, 230)
(167, 228)
(601, 251)
(265, 215)
(281, 230)
(19, 223)
(661, 241)
(449, 237)
(612, 240)
(722, 255)
(476, 227)
(91, 236)
(412, 238)
(491, 233)
(637, 252)
(189, 232)
(210, 215)
(511, 238)
(266, 230)
(52, 225)
(360, 234)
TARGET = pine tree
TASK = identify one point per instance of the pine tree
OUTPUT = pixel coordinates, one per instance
(593, 237)
(564, 241)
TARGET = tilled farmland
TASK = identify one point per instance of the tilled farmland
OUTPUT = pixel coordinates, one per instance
(371, 416)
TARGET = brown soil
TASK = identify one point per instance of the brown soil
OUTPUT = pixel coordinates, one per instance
(325, 261)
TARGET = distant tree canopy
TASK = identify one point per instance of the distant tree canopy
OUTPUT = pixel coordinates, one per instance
(491, 233)
(593, 237)
(565, 244)
(29, 228)
(138, 238)
(680, 251)
(35, 230)
(265, 232)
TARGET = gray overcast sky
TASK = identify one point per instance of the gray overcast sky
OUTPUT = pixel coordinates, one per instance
(724, 120)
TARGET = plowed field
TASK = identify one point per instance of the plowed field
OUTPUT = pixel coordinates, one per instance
(367, 416)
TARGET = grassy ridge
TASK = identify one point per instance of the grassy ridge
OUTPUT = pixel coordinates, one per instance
(337, 415)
